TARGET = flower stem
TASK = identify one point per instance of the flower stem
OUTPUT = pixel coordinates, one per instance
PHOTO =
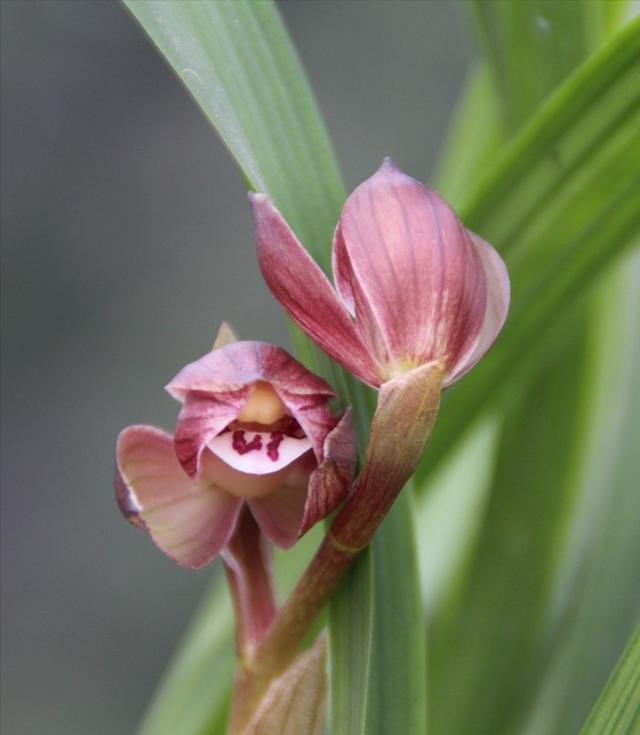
(404, 419)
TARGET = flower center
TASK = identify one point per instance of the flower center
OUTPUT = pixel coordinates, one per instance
(261, 447)
(263, 406)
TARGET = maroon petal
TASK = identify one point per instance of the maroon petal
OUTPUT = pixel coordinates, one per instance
(306, 293)
(341, 446)
(405, 264)
(190, 521)
(329, 483)
(314, 416)
(202, 417)
(498, 295)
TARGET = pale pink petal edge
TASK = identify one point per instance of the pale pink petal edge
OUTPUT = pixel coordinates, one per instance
(498, 299)
(189, 521)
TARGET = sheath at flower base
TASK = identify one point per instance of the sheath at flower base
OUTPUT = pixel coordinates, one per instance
(412, 285)
(255, 431)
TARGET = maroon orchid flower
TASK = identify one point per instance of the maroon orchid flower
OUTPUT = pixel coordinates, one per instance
(255, 431)
(412, 285)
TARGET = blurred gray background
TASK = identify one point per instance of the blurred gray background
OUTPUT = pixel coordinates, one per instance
(126, 238)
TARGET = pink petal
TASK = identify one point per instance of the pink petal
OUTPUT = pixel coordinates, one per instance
(202, 417)
(240, 364)
(190, 521)
(305, 292)
(279, 514)
(498, 295)
(258, 453)
(406, 266)
(329, 483)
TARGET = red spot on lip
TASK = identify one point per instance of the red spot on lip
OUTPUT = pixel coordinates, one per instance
(272, 446)
(242, 446)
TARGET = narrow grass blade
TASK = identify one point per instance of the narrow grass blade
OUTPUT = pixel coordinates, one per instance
(617, 711)
(193, 696)
(596, 593)
(351, 618)
(488, 639)
(397, 692)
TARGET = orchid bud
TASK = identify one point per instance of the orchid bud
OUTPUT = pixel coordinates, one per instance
(255, 431)
(412, 285)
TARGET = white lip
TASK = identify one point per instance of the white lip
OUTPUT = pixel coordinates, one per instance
(258, 461)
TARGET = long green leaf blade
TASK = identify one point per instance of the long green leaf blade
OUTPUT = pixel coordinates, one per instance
(533, 46)
(597, 595)
(486, 647)
(351, 618)
(195, 689)
(237, 61)
(617, 711)
(397, 696)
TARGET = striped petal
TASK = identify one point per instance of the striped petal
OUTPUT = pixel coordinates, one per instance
(202, 417)
(305, 292)
(405, 264)
(190, 521)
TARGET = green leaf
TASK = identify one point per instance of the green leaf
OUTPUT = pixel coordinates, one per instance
(474, 139)
(236, 60)
(195, 689)
(351, 619)
(397, 696)
(487, 642)
(238, 63)
(617, 711)
(533, 46)
(561, 203)
(596, 594)
(450, 515)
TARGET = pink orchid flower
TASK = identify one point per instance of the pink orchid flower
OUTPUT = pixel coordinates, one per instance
(255, 431)
(412, 285)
